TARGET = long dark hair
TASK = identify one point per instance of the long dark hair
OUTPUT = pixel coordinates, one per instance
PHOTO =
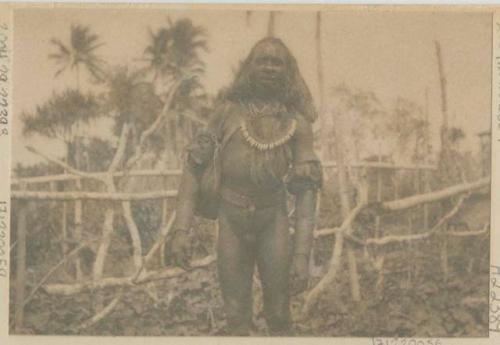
(296, 95)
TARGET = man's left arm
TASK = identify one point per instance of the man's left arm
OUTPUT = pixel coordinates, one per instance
(305, 180)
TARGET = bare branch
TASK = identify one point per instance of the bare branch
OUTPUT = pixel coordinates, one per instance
(161, 238)
(155, 125)
(134, 234)
(405, 203)
(98, 175)
(346, 224)
(103, 313)
(484, 230)
(64, 165)
(120, 151)
(76, 195)
(102, 251)
(167, 273)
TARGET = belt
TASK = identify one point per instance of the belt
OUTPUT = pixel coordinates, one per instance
(252, 203)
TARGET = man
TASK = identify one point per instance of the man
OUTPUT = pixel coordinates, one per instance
(258, 143)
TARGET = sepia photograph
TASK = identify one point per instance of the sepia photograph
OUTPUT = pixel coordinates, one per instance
(262, 172)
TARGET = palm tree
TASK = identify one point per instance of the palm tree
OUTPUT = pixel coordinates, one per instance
(173, 55)
(131, 100)
(79, 52)
(174, 50)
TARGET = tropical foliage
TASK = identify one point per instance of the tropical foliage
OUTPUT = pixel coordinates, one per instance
(62, 115)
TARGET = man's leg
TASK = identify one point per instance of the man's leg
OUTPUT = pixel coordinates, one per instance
(235, 265)
(273, 264)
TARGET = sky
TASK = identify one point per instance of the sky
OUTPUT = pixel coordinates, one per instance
(390, 53)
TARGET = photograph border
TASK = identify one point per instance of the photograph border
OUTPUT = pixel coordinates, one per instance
(6, 16)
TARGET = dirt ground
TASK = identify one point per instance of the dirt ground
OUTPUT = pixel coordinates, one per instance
(416, 298)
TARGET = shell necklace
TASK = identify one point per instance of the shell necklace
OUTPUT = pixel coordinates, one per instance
(265, 146)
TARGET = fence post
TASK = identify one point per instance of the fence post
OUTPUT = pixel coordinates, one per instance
(379, 191)
(64, 229)
(164, 207)
(426, 160)
(78, 229)
(380, 258)
(20, 266)
(410, 246)
(53, 188)
(444, 254)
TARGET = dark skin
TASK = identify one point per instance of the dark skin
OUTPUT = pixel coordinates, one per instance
(269, 71)
(257, 236)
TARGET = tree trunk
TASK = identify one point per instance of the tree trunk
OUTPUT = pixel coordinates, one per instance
(321, 89)
(335, 261)
(271, 24)
(444, 104)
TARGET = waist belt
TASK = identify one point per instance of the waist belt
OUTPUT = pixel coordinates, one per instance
(252, 203)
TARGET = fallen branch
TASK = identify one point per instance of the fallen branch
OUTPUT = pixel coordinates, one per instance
(145, 277)
(413, 237)
(383, 165)
(117, 299)
(484, 230)
(403, 204)
(103, 313)
(397, 238)
(335, 261)
(411, 201)
(346, 229)
(348, 215)
(53, 269)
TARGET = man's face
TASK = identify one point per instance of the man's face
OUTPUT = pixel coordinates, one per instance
(269, 68)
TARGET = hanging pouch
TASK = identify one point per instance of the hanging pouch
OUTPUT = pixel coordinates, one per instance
(208, 199)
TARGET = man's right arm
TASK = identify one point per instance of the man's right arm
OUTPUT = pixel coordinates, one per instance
(198, 155)
(196, 159)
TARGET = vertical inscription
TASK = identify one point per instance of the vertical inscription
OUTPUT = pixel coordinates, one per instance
(4, 79)
(494, 298)
(5, 60)
(3, 239)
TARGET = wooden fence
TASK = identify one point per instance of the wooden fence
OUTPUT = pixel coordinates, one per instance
(343, 233)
